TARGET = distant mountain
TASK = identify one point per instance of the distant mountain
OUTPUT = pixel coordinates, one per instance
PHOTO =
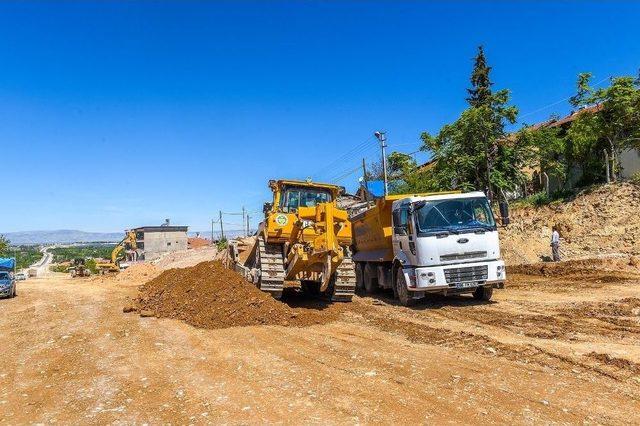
(63, 236)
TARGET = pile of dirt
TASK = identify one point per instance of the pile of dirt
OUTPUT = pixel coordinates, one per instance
(185, 258)
(134, 275)
(618, 265)
(599, 221)
(209, 295)
(197, 242)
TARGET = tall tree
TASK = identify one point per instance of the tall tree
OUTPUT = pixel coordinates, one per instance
(474, 151)
(614, 116)
(480, 92)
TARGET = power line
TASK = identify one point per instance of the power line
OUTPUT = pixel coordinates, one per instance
(345, 175)
(357, 155)
(560, 101)
(341, 157)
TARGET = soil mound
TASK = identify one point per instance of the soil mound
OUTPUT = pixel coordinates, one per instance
(599, 221)
(185, 258)
(618, 266)
(209, 295)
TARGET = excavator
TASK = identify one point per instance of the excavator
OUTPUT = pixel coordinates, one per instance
(303, 239)
(127, 243)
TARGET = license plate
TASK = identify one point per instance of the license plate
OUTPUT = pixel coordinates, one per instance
(466, 285)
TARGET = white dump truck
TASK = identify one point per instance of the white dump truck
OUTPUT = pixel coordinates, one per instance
(429, 243)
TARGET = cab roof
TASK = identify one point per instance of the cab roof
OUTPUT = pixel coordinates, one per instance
(304, 183)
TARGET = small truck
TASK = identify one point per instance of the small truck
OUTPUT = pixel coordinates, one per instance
(443, 243)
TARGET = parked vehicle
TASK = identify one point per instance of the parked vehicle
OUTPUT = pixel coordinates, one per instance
(7, 282)
(20, 276)
(432, 243)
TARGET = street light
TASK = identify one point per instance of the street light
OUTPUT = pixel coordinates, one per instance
(382, 137)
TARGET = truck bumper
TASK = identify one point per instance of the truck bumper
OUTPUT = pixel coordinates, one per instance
(458, 277)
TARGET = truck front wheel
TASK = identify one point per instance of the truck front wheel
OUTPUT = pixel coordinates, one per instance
(404, 295)
(483, 293)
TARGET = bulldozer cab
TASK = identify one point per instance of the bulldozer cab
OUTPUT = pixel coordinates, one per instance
(290, 195)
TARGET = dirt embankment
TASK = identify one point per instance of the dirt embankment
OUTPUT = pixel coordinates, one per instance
(600, 221)
(209, 295)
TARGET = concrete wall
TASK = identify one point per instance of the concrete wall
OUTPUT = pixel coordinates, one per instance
(158, 243)
(630, 162)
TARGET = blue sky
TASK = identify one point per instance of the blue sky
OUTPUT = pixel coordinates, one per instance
(115, 115)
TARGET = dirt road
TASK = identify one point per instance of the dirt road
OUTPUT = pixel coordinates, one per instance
(548, 349)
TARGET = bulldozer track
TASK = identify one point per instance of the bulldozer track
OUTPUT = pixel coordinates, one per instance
(344, 286)
(271, 268)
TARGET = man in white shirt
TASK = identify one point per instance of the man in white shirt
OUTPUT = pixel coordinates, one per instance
(555, 244)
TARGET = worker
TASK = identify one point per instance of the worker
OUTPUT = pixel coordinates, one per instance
(555, 244)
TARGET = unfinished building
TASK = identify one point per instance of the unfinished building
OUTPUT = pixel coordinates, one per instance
(154, 241)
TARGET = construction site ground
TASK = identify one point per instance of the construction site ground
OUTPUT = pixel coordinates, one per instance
(558, 345)
(197, 345)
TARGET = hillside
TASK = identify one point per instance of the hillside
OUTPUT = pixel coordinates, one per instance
(599, 221)
(62, 236)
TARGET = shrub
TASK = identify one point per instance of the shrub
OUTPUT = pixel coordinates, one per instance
(222, 244)
(538, 199)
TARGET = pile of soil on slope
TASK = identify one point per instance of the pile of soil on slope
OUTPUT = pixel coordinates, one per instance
(185, 258)
(209, 295)
(598, 221)
(621, 266)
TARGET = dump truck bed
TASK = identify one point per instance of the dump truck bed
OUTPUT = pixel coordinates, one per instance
(373, 228)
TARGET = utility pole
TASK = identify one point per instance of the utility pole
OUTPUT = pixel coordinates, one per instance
(382, 137)
(221, 227)
(212, 222)
(248, 230)
(244, 220)
(364, 173)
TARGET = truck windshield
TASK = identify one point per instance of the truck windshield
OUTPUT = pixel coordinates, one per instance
(456, 215)
(293, 198)
(4, 275)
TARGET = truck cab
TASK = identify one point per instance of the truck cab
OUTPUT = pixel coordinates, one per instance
(447, 243)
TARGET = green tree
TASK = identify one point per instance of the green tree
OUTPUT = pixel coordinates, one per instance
(544, 149)
(399, 164)
(474, 152)
(480, 92)
(615, 120)
(4, 246)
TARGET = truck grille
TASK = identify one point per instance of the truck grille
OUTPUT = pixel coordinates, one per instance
(463, 256)
(463, 275)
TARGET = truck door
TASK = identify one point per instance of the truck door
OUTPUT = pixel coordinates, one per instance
(402, 238)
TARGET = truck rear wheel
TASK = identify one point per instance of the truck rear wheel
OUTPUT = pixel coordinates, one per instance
(359, 277)
(483, 293)
(370, 274)
(404, 295)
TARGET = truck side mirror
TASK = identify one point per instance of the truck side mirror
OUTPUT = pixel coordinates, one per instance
(266, 208)
(504, 213)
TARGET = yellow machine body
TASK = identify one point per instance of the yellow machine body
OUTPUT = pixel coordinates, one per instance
(128, 242)
(313, 231)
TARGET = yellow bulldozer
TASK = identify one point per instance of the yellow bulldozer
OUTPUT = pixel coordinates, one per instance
(127, 243)
(304, 240)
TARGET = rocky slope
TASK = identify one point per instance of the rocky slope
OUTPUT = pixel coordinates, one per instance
(598, 222)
